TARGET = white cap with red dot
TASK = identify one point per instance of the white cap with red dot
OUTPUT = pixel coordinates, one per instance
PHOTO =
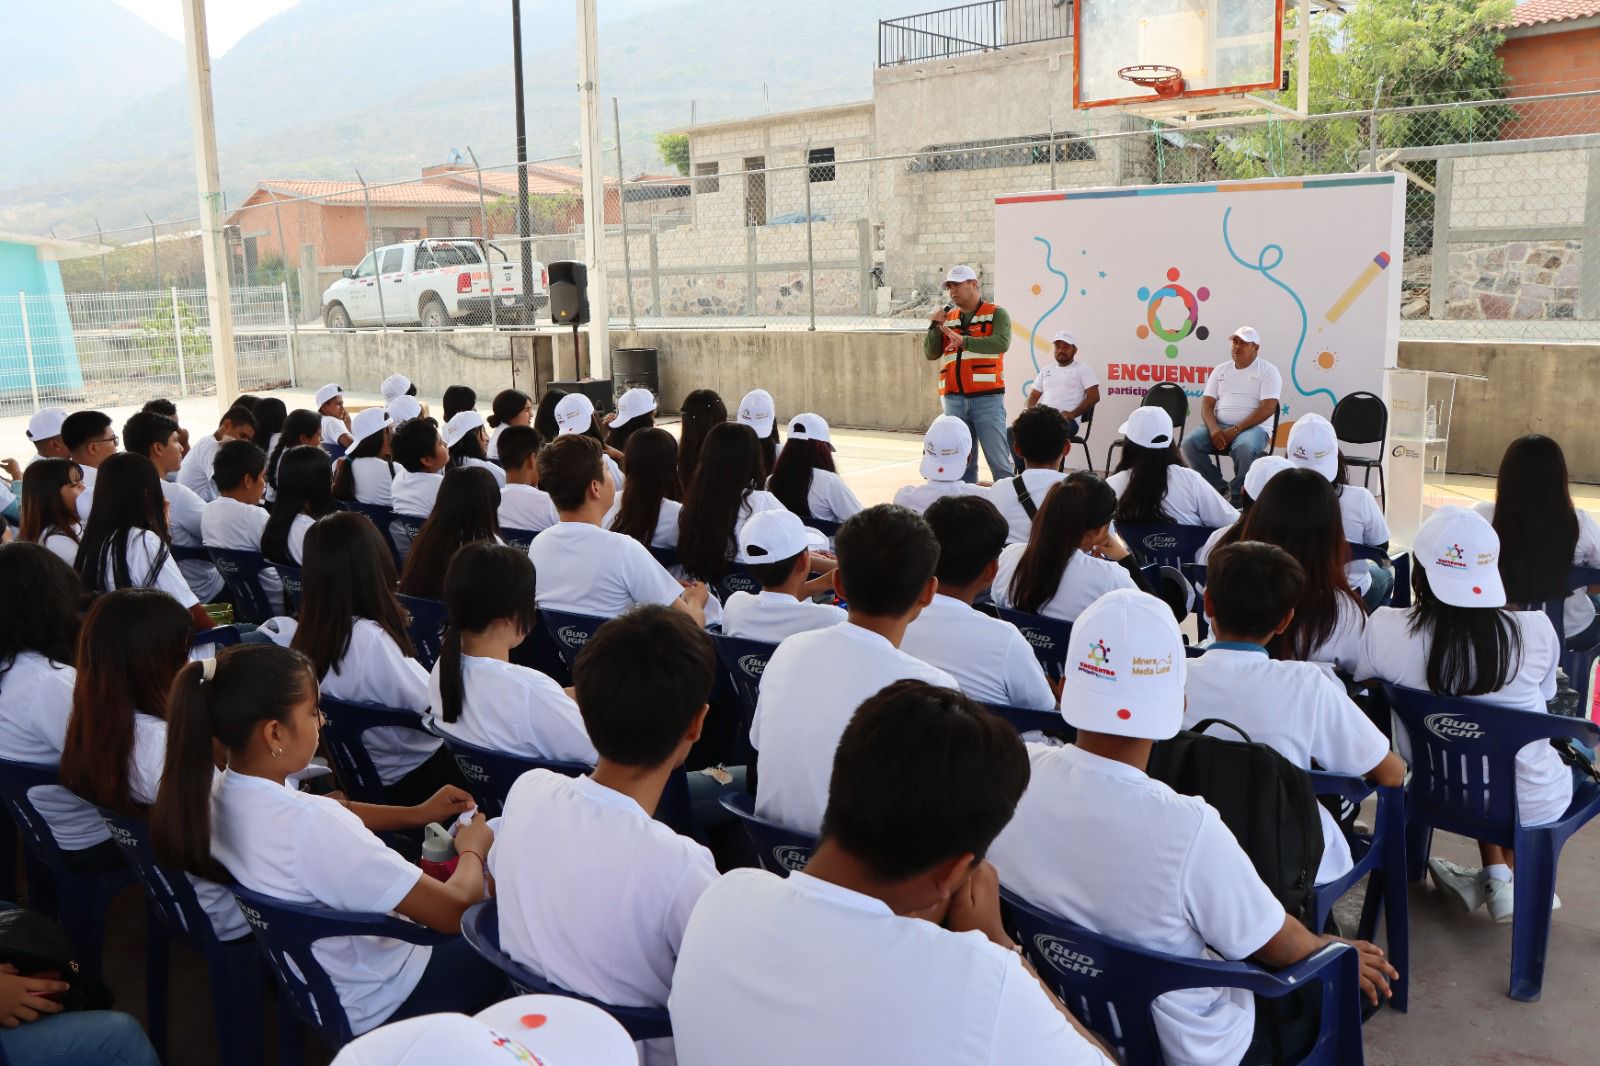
(1125, 668)
(1460, 552)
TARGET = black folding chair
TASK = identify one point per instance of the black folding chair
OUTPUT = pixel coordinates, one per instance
(1170, 397)
(1363, 418)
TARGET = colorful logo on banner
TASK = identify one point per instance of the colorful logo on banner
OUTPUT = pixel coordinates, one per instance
(1153, 299)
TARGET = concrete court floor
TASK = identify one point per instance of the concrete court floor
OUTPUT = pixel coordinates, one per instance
(1459, 1014)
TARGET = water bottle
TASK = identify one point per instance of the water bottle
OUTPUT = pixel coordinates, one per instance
(438, 852)
(1430, 424)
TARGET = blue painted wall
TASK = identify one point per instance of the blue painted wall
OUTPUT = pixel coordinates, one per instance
(55, 355)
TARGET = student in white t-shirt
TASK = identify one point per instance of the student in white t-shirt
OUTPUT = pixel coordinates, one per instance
(815, 680)
(1236, 412)
(1261, 472)
(255, 706)
(420, 452)
(195, 472)
(805, 479)
(50, 491)
(649, 508)
(757, 411)
(726, 491)
(888, 947)
(305, 494)
(235, 519)
(44, 433)
(365, 474)
(586, 569)
(642, 681)
(1152, 482)
(945, 449)
(991, 660)
(523, 504)
(510, 407)
(477, 693)
(636, 412)
(91, 441)
(155, 437)
(1040, 440)
(1073, 556)
(1314, 445)
(467, 437)
(1099, 843)
(1293, 707)
(353, 631)
(778, 552)
(335, 422)
(301, 428)
(575, 415)
(115, 747)
(1459, 638)
(1068, 385)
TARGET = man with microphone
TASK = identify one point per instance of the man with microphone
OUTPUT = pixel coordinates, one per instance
(969, 336)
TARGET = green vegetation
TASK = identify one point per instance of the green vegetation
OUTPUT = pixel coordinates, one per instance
(673, 148)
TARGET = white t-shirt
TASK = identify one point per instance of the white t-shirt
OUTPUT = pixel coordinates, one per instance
(809, 692)
(830, 499)
(666, 533)
(309, 849)
(492, 449)
(1189, 500)
(920, 497)
(85, 502)
(583, 569)
(1343, 646)
(195, 473)
(510, 708)
(1203, 552)
(1063, 387)
(990, 659)
(35, 706)
(414, 494)
(1003, 494)
(1391, 652)
(1363, 524)
(184, 512)
(1131, 859)
(298, 526)
(63, 546)
(374, 671)
(771, 616)
(144, 547)
(228, 523)
(1239, 392)
(1085, 580)
(493, 468)
(1297, 710)
(1578, 614)
(333, 429)
(798, 971)
(530, 508)
(374, 480)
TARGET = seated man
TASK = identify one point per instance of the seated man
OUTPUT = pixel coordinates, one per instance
(1236, 414)
(1099, 843)
(1040, 438)
(888, 947)
(777, 547)
(1069, 386)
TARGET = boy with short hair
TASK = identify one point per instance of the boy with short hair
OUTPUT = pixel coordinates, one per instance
(335, 420)
(777, 548)
(163, 406)
(237, 424)
(155, 437)
(1041, 441)
(990, 659)
(89, 442)
(641, 683)
(1296, 708)
(235, 519)
(815, 680)
(523, 504)
(945, 450)
(871, 946)
(44, 431)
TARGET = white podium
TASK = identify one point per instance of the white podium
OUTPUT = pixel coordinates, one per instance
(1420, 403)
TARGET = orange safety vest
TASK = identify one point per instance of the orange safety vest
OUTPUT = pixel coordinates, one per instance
(966, 374)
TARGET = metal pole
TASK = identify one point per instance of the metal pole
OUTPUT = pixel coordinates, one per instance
(483, 231)
(27, 346)
(219, 293)
(100, 239)
(1052, 149)
(372, 243)
(594, 191)
(155, 252)
(283, 250)
(524, 228)
(177, 336)
(811, 258)
(291, 331)
(622, 214)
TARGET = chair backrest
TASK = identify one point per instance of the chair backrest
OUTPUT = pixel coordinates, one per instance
(167, 890)
(241, 572)
(403, 531)
(480, 925)
(570, 631)
(1360, 418)
(428, 621)
(745, 661)
(16, 778)
(293, 583)
(517, 538)
(667, 557)
(492, 773)
(344, 722)
(186, 553)
(1578, 578)
(334, 449)
(1025, 720)
(1367, 551)
(1169, 396)
(736, 579)
(1166, 544)
(217, 636)
(379, 516)
(1049, 638)
(779, 849)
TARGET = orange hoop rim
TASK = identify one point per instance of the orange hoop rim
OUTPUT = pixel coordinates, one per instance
(1167, 81)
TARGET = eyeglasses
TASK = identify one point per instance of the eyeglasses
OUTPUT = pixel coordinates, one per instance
(111, 440)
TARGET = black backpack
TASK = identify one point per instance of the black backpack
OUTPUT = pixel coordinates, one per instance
(1267, 802)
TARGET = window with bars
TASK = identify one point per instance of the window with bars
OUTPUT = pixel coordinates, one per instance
(821, 164)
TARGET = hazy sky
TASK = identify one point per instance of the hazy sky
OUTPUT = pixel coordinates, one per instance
(226, 20)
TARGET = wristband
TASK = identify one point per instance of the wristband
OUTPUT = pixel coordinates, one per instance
(481, 860)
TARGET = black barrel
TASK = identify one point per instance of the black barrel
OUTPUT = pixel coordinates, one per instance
(635, 368)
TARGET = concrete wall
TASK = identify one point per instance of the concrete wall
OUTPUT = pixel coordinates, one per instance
(1553, 59)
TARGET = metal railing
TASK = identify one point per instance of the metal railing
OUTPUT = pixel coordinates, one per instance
(971, 28)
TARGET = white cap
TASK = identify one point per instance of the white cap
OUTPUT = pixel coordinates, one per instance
(326, 393)
(773, 536)
(1248, 334)
(810, 426)
(945, 449)
(1148, 427)
(460, 425)
(1460, 552)
(1262, 471)
(758, 412)
(403, 408)
(632, 404)
(46, 423)
(1064, 338)
(394, 386)
(553, 1030)
(960, 273)
(1125, 668)
(1314, 445)
(366, 423)
(574, 414)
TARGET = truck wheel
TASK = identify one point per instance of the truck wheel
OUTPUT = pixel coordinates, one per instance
(337, 317)
(434, 315)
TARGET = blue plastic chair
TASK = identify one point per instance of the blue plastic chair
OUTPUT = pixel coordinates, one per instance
(334, 449)
(570, 632)
(343, 724)
(78, 901)
(403, 530)
(517, 538)
(779, 849)
(481, 926)
(218, 636)
(1577, 662)
(667, 557)
(492, 773)
(1163, 544)
(241, 573)
(1049, 638)
(1111, 984)
(1026, 720)
(426, 627)
(285, 933)
(293, 584)
(379, 516)
(1463, 780)
(743, 663)
(735, 579)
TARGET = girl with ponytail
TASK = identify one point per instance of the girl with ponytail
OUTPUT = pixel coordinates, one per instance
(1072, 557)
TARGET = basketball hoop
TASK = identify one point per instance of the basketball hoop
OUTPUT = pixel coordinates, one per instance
(1166, 81)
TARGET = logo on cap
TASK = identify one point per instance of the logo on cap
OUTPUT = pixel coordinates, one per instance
(1453, 557)
(1098, 655)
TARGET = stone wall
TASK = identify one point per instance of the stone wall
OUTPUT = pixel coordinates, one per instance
(1514, 280)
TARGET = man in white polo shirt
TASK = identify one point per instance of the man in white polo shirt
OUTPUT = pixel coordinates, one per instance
(1236, 413)
(1069, 386)
(888, 947)
(1099, 843)
(777, 549)
(945, 449)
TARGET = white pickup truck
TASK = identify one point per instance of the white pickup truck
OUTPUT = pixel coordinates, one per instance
(434, 283)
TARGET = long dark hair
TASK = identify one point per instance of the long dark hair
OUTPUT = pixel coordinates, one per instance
(652, 462)
(506, 405)
(544, 416)
(618, 436)
(1534, 516)
(304, 488)
(730, 469)
(485, 583)
(466, 511)
(1073, 507)
(271, 417)
(470, 446)
(127, 498)
(348, 574)
(1299, 512)
(791, 478)
(42, 506)
(251, 684)
(43, 605)
(299, 425)
(702, 409)
(118, 676)
(369, 447)
(1147, 481)
(1474, 651)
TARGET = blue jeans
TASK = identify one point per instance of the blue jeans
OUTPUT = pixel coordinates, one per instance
(1382, 583)
(81, 1038)
(985, 415)
(1246, 448)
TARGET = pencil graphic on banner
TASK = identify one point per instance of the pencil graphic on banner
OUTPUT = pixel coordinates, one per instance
(1379, 264)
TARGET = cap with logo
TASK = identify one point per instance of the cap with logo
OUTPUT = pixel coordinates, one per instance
(1248, 334)
(811, 427)
(326, 393)
(1125, 668)
(552, 1030)
(945, 449)
(394, 386)
(1460, 552)
(1314, 445)
(959, 274)
(574, 414)
(461, 424)
(1064, 338)
(773, 536)
(366, 423)
(1148, 427)
(46, 423)
(403, 408)
(632, 404)
(1262, 471)
(758, 412)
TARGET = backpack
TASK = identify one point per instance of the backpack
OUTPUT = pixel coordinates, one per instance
(37, 946)
(1267, 802)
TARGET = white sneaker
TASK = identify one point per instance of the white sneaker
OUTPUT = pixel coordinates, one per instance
(1500, 896)
(1462, 885)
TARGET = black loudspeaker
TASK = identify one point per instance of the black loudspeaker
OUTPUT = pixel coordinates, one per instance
(569, 293)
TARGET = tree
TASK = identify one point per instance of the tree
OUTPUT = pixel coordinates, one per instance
(674, 150)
